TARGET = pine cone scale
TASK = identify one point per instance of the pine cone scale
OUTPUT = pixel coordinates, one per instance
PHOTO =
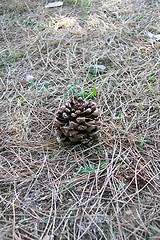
(80, 119)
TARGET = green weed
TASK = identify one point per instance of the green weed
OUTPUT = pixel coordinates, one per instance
(76, 91)
(83, 3)
(141, 143)
(153, 78)
(91, 168)
(93, 93)
(102, 236)
(151, 89)
(20, 99)
(29, 22)
(121, 186)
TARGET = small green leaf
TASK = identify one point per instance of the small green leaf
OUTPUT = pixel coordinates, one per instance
(46, 85)
(39, 92)
(141, 146)
(83, 94)
(153, 78)
(32, 82)
(150, 89)
(122, 186)
(82, 171)
(93, 93)
(45, 220)
(111, 152)
(122, 166)
(102, 164)
(87, 168)
(101, 234)
(91, 166)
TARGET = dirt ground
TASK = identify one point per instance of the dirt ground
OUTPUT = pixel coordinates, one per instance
(106, 190)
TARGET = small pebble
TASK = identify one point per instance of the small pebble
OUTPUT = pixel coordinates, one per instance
(94, 69)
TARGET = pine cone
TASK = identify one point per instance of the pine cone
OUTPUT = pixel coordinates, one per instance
(77, 122)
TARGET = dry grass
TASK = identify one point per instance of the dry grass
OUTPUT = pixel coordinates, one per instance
(43, 193)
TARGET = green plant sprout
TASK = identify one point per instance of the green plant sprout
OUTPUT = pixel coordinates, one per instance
(69, 187)
(84, 2)
(103, 237)
(122, 166)
(46, 85)
(20, 99)
(39, 90)
(141, 143)
(91, 169)
(110, 69)
(153, 78)
(93, 93)
(29, 22)
(75, 90)
(120, 114)
(150, 89)
(121, 186)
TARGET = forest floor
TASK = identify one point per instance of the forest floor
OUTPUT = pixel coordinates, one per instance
(110, 189)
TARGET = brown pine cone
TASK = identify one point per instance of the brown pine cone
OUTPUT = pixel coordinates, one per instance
(77, 122)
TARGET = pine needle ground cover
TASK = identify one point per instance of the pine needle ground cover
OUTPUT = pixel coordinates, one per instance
(110, 188)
